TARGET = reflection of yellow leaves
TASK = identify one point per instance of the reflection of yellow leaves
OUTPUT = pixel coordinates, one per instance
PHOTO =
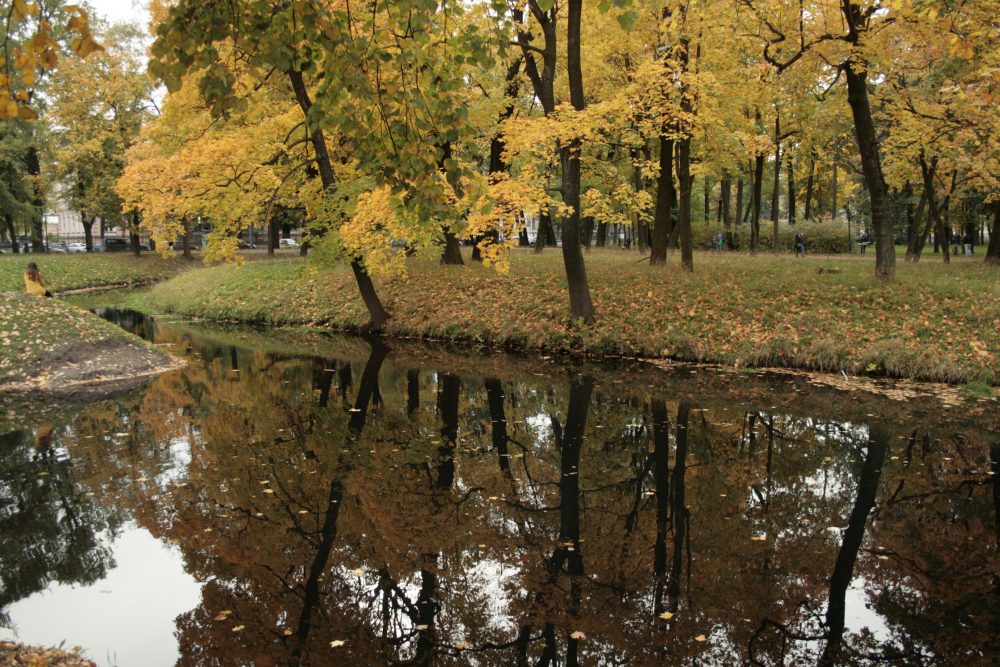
(222, 615)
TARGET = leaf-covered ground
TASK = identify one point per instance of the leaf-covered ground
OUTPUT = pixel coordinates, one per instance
(935, 322)
(79, 271)
(50, 345)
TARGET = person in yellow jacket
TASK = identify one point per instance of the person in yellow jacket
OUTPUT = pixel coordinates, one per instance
(33, 281)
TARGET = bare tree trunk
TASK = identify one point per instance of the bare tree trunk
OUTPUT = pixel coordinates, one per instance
(758, 177)
(88, 231)
(684, 214)
(376, 310)
(993, 249)
(927, 171)
(707, 193)
(809, 189)
(914, 239)
(580, 305)
(665, 196)
(790, 165)
(777, 178)
(727, 214)
(871, 161)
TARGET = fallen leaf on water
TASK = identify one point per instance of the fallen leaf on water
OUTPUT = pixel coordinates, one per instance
(268, 490)
(701, 638)
(666, 616)
(238, 628)
(222, 615)
(288, 632)
(577, 635)
(758, 538)
(360, 572)
(461, 646)
(421, 628)
(337, 642)
(303, 511)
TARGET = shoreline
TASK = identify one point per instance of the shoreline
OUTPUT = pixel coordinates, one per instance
(473, 306)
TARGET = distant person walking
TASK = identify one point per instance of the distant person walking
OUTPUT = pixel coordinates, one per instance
(33, 281)
(800, 244)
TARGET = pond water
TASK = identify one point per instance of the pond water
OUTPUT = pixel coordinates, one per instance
(290, 498)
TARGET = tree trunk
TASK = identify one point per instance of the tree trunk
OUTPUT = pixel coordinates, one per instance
(186, 240)
(34, 168)
(739, 200)
(273, 232)
(727, 214)
(602, 234)
(88, 231)
(871, 162)
(543, 232)
(708, 194)
(580, 305)
(452, 252)
(833, 190)
(133, 234)
(758, 178)
(777, 182)
(809, 189)
(684, 214)
(914, 239)
(993, 250)
(941, 231)
(641, 229)
(665, 196)
(376, 310)
(790, 165)
(8, 220)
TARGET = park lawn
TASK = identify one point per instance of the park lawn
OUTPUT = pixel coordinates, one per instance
(936, 322)
(83, 270)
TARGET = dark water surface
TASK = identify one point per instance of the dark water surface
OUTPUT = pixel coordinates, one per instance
(296, 499)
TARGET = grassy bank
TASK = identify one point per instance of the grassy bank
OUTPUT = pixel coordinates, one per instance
(80, 271)
(56, 348)
(935, 323)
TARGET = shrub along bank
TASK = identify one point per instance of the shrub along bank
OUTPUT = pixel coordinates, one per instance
(939, 323)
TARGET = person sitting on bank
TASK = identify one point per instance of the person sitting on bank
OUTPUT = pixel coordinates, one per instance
(33, 281)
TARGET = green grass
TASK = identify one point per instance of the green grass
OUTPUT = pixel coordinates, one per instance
(935, 322)
(78, 271)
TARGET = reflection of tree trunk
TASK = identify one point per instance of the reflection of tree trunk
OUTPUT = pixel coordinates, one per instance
(426, 611)
(680, 513)
(843, 570)
(369, 387)
(328, 532)
(412, 392)
(498, 422)
(447, 402)
(345, 380)
(995, 466)
(570, 442)
(661, 477)
(325, 381)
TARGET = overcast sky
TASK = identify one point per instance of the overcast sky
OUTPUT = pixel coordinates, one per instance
(118, 11)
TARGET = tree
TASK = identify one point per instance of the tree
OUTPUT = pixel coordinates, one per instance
(96, 108)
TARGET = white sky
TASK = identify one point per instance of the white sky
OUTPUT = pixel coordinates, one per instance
(119, 11)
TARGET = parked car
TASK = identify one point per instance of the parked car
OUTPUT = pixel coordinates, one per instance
(243, 245)
(57, 248)
(116, 245)
(288, 243)
(76, 247)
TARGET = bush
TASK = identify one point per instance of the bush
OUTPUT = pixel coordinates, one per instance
(823, 236)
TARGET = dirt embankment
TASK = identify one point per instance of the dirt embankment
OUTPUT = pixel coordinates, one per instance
(59, 351)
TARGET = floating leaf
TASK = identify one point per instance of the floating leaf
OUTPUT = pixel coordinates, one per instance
(337, 642)
(701, 638)
(666, 616)
(577, 635)
(238, 628)
(222, 615)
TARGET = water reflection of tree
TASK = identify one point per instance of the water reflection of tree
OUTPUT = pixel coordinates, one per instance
(52, 531)
(422, 530)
